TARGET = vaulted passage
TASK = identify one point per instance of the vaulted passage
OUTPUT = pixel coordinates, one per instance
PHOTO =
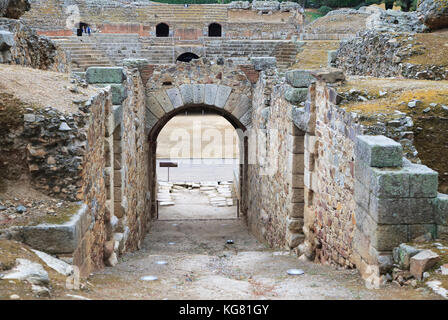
(197, 168)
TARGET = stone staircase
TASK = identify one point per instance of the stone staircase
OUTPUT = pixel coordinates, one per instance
(194, 13)
(111, 49)
(83, 53)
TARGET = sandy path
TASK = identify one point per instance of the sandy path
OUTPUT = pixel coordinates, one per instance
(202, 266)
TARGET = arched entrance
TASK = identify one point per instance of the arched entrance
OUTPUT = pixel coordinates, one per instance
(198, 108)
(162, 30)
(187, 57)
(214, 30)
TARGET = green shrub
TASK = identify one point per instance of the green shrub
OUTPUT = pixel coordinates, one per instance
(324, 10)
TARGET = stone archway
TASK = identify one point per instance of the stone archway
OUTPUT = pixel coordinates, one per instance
(223, 89)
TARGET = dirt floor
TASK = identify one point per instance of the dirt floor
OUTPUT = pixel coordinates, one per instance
(200, 265)
(42, 88)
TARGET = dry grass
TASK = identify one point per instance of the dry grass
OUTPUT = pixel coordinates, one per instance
(314, 54)
(434, 47)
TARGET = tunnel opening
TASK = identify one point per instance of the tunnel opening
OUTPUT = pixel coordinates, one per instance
(187, 57)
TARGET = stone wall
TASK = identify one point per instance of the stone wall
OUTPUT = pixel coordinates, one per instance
(281, 20)
(381, 54)
(362, 197)
(26, 48)
(275, 172)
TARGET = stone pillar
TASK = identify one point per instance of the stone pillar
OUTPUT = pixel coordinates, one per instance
(394, 203)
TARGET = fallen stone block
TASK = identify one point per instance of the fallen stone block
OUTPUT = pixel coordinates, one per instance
(402, 255)
(422, 262)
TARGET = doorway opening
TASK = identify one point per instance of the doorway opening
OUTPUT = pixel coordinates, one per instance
(162, 30)
(197, 167)
(214, 30)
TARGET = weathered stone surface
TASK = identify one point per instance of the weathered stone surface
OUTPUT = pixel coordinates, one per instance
(164, 100)
(14, 9)
(210, 94)
(53, 238)
(118, 91)
(26, 270)
(222, 95)
(402, 210)
(105, 75)
(296, 95)
(175, 97)
(422, 262)
(441, 209)
(243, 106)
(239, 5)
(198, 93)
(263, 63)
(423, 181)
(402, 255)
(57, 265)
(299, 78)
(6, 40)
(154, 106)
(434, 13)
(329, 75)
(265, 5)
(378, 151)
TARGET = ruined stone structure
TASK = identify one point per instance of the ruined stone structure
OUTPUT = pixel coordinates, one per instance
(314, 178)
(164, 33)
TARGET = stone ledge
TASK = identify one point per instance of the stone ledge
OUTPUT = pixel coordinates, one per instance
(56, 238)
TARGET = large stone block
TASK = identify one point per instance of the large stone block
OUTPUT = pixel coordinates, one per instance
(164, 101)
(296, 95)
(6, 40)
(296, 210)
(58, 238)
(362, 195)
(402, 210)
(297, 195)
(154, 106)
(198, 93)
(423, 181)
(186, 91)
(222, 94)
(378, 151)
(299, 78)
(389, 183)
(105, 75)
(441, 209)
(175, 97)
(210, 94)
(150, 119)
(118, 91)
(243, 106)
(388, 237)
(263, 63)
(297, 163)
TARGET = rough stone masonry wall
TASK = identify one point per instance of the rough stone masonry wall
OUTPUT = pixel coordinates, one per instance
(329, 178)
(361, 198)
(382, 54)
(26, 48)
(275, 172)
(125, 153)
